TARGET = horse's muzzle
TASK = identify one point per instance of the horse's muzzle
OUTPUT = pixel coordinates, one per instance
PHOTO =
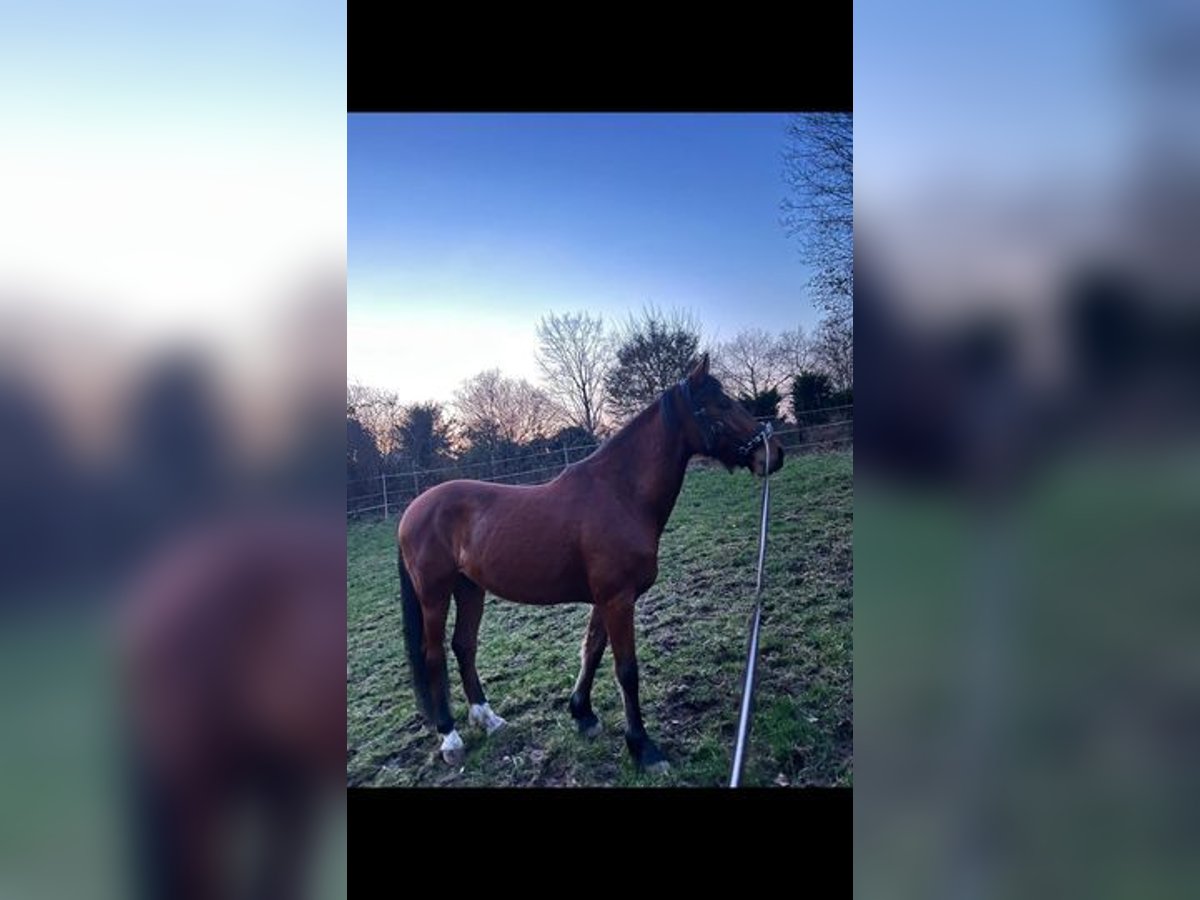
(770, 451)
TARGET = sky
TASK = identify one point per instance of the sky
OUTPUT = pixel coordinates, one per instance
(998, 146)
(463, 230)
(989, 96)
(170, 168)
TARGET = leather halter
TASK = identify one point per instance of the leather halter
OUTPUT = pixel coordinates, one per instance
(761, 437)
(709, 428)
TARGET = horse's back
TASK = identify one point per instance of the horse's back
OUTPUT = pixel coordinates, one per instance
(449, 504)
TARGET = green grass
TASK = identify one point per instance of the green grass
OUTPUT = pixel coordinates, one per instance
(692, 629)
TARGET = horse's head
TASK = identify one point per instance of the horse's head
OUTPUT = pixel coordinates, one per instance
(721, 428)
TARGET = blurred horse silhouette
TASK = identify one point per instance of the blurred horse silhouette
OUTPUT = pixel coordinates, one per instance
(233, 649)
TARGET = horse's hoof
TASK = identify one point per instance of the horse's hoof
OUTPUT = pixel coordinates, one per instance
(453, 752)
(482, 716)
(648, 757)
(588, 723)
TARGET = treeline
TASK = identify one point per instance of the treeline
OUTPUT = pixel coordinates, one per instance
(595, 376)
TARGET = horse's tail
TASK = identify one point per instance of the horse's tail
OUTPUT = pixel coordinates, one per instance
(414, 643)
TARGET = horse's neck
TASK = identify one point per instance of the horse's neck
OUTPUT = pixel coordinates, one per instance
(648, 459)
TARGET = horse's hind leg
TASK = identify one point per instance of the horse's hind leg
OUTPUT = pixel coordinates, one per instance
(435, 612)
(594, 641)
(469, 598)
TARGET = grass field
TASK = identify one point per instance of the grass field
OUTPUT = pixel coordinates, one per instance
(692, 630)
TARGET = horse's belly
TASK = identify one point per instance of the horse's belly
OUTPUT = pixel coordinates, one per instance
(535, 591)
(523, 572)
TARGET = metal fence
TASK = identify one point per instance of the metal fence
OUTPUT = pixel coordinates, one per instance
(389, 493)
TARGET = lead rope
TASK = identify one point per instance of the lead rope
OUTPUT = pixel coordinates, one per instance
(739, 751)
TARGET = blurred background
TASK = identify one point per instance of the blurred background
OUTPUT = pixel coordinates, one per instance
(172, 348)
(172, 364)
(1027, 496)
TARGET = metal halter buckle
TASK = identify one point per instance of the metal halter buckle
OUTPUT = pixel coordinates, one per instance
(763, 435)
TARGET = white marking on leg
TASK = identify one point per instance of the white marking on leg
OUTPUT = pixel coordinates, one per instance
(482, 715)
(452, 748)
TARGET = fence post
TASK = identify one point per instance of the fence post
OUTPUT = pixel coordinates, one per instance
(566, 459)
(383, 478)
(416, 484)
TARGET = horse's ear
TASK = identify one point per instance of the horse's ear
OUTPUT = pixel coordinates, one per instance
(699, 372)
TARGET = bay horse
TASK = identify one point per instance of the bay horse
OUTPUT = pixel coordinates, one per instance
(589, 536)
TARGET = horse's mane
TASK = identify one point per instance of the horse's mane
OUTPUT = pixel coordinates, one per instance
(633, 426)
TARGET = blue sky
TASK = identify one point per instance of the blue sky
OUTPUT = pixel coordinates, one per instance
(464, 229)
(1002, 95)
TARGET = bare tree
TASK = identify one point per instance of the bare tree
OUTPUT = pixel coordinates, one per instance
(575, 355)
(494, 409)
(752, 363)
(794, 348)
(653, 351)
(378, 411)
(819, 170)
(833, 352)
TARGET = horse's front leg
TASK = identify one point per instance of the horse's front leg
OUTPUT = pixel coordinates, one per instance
(618, 621)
